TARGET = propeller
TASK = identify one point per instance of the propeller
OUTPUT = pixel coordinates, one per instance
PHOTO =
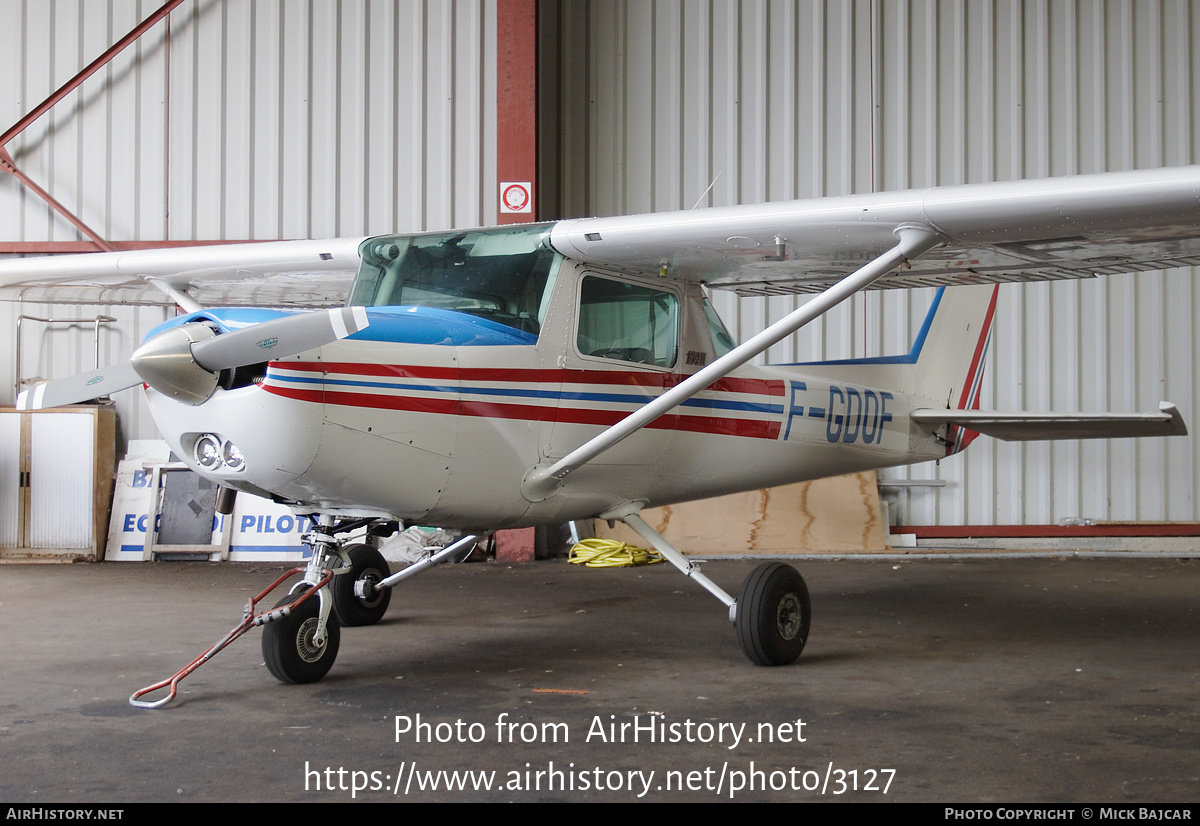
(78, 388)
(186, 361)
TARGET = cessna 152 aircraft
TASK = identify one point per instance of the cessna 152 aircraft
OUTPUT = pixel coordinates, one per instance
(526, 375)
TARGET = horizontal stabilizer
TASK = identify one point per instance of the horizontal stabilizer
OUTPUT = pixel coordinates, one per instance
(1016, 427)
(79, 388)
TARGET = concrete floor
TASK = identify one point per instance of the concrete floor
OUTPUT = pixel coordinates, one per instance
(1005, 680)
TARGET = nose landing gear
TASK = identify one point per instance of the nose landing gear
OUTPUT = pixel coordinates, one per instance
(301, 648)
(298, 648)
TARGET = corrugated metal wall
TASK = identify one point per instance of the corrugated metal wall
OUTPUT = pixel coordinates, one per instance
(295, 118)
(265, 119)
(241, 120)
(653, 101)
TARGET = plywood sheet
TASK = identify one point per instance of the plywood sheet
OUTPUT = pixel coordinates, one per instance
(838, 515)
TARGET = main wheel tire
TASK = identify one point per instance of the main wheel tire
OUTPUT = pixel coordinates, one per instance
(366, 564)
(288, 648)
(773, 614)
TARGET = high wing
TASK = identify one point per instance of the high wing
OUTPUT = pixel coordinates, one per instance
(1054, 228)
(1045, 229)
(273, 274)
(1006, 231)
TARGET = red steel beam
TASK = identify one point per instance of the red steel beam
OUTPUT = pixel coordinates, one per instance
(516, 103)
(1032, 531)
(6, 164)
(6, 161)
(74, 83)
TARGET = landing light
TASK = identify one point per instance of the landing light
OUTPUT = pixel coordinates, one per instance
(234, 460)
(213, 453)
(207, 452)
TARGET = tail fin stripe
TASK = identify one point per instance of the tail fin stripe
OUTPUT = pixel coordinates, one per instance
(958, 437)
(972, 400)
(963, 436)
(974, 373)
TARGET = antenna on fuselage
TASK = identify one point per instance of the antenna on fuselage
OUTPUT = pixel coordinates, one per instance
(704, 194)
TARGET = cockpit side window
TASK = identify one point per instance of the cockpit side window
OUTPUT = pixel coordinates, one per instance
(627, 322)
(722, 341)
(497, 274)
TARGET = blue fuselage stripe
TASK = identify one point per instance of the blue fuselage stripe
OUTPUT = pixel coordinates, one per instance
(617, 398)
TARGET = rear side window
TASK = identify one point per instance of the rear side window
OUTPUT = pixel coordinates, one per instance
(627, 322)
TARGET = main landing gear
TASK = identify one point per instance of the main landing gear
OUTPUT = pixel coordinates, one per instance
(357, 597)
(772, 613)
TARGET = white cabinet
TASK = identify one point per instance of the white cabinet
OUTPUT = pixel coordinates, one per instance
(56, 481)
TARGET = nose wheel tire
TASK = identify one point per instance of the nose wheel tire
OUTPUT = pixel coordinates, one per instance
(289, 646)
(367, 566)
(773, 614)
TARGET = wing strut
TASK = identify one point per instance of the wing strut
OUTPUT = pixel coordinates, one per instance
(686, 566)
(915, 240)
(180, 297)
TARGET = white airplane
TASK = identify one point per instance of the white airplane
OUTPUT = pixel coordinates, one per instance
(536, 374)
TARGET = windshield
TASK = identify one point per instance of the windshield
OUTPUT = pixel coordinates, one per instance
(502, 274)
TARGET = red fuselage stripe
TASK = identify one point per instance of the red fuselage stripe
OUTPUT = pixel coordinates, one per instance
(495, 410)
(766, 387)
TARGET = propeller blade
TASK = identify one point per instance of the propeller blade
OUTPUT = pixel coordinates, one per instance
(79, 388)
(183, 362)
(278, 338)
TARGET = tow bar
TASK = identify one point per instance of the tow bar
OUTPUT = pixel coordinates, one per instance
(249, 620)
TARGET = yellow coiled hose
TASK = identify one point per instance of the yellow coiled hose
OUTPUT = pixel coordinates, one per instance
(609, 553)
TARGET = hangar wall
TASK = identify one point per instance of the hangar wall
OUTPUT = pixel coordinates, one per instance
(654, 101)
(240, 120)
(248, 120)
(294, 118)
